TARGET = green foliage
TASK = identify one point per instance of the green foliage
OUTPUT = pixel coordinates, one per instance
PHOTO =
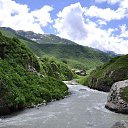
(104, 76)
(54, 68)
(19, 87)
(76, 56)
(124, 94)
(0, 33)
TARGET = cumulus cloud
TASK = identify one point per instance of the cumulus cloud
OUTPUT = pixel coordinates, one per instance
(73, 23)
(19, 17)
(70, 22)
(121, 12)
(124, 31)
(105, 40)
(122, 3)
(42, 16)
(106, 14)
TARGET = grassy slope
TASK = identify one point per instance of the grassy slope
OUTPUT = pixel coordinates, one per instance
(76, 56)
(31, 44)
(104, 76)
(55, 68)
(62, 68)
(20, 88)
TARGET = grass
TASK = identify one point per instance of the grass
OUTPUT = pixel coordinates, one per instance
(77, 56)
(19, 87)
(104, 76)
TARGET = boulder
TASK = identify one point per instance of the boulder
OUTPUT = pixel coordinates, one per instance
(115, 101)
(120, 124)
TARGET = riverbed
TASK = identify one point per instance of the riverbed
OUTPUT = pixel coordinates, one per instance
(84, 108)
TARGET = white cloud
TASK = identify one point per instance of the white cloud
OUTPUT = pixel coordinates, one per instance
(43, 16)
(70, 22)
(124, 5)
(74, 25)
(122, 10)
(106, 14)
(108, 1)
(105, 40)
(124, 31)
(19, 17)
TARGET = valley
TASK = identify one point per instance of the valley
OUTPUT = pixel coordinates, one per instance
(76, 56)
(32, 75)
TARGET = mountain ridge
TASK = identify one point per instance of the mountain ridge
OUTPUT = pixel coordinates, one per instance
(77, 56)
(44, 38)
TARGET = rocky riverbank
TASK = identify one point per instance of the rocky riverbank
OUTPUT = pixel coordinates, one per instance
(115, 102)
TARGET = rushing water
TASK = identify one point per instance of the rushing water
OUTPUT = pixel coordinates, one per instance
(83, 109)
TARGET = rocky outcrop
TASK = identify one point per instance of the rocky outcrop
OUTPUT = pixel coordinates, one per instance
(120, 124)
(115, 101)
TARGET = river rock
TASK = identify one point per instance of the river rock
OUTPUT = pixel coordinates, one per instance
(120, 124)
(114, 100)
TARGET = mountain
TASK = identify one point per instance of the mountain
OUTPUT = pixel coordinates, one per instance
(44, 38)
(105, 76)
(22, 82)
(76, 56)
(112, 54)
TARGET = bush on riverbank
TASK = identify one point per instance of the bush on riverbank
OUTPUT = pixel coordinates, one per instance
(55, 68)
(21, 84)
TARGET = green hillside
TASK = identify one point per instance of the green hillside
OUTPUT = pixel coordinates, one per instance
(44, 38)
(21, 82)
(76, 56)
(104, 76)
(57, 69)
(31, 44)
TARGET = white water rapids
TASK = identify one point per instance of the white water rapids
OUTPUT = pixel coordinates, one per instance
(84, 108)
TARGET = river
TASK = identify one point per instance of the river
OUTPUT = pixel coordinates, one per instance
(84, 108)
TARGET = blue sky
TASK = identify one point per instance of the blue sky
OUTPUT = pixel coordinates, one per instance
(58, 5)
(100, 24)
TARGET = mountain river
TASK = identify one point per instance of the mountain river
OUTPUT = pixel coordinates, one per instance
(84, 108)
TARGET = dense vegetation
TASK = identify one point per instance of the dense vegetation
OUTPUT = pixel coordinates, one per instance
(104, 76)
(19, 85)
(55, 68)
(76, 56)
